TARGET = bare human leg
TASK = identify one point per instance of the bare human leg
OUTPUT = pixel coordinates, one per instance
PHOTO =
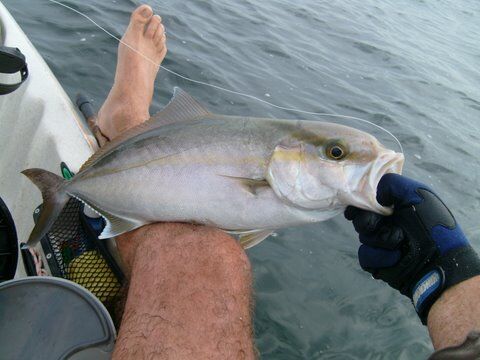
(129, 99)
(190, 286)
(189, 296)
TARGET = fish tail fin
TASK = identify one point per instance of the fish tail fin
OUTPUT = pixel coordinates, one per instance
(54, 200)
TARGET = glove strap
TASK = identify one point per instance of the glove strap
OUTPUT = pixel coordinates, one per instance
(426, 291)
(454, 267)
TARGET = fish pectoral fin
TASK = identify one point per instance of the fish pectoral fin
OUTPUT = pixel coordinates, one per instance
(114, 225)
(250, 185)
(253, 237)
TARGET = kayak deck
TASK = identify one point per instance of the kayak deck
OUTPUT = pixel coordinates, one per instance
(39, 128)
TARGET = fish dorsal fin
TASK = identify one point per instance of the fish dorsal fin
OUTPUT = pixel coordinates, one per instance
(182, 107)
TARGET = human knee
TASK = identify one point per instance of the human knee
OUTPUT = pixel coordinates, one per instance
(198, 248)
(228, 255)
(222, 244)
(212, 247)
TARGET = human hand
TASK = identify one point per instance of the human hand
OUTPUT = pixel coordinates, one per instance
(420, 249)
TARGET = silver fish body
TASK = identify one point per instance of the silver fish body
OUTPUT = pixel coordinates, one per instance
(245, 175)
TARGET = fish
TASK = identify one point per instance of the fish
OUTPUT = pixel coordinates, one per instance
(248, 176)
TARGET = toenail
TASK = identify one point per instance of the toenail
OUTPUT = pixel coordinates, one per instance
(146, 13)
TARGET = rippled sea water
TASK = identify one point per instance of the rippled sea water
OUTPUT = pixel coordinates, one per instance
(409, 65)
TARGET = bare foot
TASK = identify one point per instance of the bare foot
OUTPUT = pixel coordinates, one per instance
(128, 102)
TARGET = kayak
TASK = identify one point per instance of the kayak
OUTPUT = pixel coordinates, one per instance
(39, 128)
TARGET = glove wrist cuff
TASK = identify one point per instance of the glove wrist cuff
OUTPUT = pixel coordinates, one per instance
(452, 268)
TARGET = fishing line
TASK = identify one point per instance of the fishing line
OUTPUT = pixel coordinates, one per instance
(199, 82)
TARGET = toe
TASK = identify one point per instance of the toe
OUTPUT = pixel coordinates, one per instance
(159, 34)
(153, 26)
(141, 15)
(162, 45)
(160, 42)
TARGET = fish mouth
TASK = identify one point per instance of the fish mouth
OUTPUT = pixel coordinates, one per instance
(365, 195)
(389, 162)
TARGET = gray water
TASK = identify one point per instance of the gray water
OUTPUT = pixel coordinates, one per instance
(409, 65)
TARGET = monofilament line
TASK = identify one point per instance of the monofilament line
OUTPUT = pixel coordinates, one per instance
(222, 88)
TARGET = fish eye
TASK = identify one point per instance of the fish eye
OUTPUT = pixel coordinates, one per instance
(336, 151)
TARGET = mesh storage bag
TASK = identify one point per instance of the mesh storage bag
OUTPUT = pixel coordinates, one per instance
(73, 252)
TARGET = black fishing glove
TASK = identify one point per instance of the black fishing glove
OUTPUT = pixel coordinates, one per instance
(420, 250)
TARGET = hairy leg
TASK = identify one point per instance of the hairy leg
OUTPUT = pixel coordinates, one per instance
(189, 296)
(190, 286)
